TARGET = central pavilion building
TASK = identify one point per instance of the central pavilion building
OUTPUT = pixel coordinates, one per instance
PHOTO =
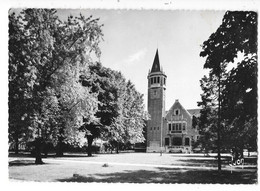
(167, 131)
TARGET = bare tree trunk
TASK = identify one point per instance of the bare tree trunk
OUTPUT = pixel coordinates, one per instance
(38, 156)
(219, 123)
(16, 144)
(59, 147)
(90, 141)
(117, 147)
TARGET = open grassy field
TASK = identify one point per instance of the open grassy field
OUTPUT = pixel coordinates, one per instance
(132, 168)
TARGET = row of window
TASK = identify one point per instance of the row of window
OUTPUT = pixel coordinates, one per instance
(156, 80)
(155, 128)
(176, 126)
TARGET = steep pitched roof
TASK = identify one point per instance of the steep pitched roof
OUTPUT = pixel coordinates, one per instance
(177, 104)
(195, 112)
(156, 63)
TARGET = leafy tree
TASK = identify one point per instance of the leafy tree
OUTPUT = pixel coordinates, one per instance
(128, 125)
(120, 111)
(54, 55)
(99, 82)
(207, 121)
(237, 34)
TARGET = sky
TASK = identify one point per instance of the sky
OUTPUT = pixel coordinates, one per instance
(131, 38)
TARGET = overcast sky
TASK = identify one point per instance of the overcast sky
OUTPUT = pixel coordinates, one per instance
(131, 38)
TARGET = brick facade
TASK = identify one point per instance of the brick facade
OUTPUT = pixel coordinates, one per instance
(170, 131)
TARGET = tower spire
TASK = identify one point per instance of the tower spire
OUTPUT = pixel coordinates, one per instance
(156, 63)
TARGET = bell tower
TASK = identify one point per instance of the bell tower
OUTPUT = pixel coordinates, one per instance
(156, 105)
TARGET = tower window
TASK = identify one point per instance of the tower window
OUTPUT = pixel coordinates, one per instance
(158, 79)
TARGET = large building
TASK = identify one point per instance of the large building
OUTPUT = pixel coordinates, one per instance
(167, 131)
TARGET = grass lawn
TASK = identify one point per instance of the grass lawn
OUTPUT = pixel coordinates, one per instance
(131, 168)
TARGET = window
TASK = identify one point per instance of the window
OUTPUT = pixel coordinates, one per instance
(164, 81)
(154, 128)
(183, 126)
(170, 126)
(158, 128)
(177, 141)
(176, 112)
(151, 80)
(177, 127)
(158, 79)
(167, 141)
(173, 127)
(187, 141)
(154, 80)
(151, 128)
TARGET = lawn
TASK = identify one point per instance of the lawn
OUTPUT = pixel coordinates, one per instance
(132, 168)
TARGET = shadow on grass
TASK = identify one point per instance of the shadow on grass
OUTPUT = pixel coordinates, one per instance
(202, 162)
(51, 155)
(214, 162)
(23, 163)
(164, 175)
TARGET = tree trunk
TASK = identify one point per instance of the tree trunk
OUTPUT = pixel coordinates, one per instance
(219, 123)
(59, 148)
(38, 156)
(16, 144)
(117, 148)
(90, 140)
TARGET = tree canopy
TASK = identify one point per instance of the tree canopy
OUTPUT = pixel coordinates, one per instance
(237, 35)
(46, 57)
(58, 93)
(120, 111)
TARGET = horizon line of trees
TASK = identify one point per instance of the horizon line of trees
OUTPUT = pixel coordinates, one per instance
(58, 94)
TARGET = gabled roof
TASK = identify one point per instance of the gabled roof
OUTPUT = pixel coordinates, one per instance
(191, 112)
(178, 104)
(195, 112)
(156, 63)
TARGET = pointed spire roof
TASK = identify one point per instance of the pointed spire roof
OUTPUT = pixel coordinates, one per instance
(156, 63)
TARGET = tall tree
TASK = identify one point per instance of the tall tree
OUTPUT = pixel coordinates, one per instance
(207, 121)
(237, 34)
(120, 111)
(55, 54)
(18, 89)
(100, 82)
